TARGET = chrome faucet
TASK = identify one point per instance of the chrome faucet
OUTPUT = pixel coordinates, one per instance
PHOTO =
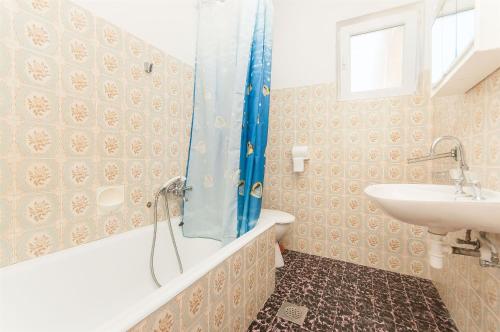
(458, 151)
(458, 176)
(179, 188)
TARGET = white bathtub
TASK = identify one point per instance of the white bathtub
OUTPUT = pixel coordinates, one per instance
(106, 285)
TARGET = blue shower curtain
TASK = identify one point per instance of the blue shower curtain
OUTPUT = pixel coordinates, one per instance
(255, 123)
(227, 57)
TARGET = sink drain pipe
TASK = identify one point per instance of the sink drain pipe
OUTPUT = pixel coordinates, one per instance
(488, 255)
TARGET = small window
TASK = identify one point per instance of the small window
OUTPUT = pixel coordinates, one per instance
(378, 54)
(452, 35)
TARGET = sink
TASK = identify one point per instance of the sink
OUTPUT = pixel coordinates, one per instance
(437, 207)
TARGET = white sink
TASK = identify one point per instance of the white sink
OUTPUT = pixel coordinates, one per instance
(437, 207)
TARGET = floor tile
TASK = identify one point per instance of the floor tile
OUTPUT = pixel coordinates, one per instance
(343, 297)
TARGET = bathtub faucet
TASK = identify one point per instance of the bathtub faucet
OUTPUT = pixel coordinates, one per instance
(179, 188)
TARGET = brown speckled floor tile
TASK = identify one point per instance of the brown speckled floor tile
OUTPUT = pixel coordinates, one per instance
(342, 297)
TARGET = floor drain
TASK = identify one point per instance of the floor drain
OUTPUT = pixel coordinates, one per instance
(292, 312)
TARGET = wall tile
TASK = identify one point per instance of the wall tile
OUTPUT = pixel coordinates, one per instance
(36, 34)
(35, 69)
(71, 124)
(78, 82)
(35, 243)
(39, 210)
(473, 118)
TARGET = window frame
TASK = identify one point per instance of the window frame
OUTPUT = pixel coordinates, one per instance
(410, 17)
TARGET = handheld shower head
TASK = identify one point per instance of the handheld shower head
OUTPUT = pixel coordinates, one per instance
(172, 181)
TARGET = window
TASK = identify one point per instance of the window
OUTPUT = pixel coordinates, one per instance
(383, 68)
(378, 54)
(452, 35)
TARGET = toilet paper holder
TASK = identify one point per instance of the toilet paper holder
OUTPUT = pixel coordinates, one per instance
(300, 153)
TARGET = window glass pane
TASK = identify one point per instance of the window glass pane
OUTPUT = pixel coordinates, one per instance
(465, 30)
(452, 34)
(377, 59)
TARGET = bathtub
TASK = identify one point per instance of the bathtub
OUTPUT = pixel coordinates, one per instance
(106, 285)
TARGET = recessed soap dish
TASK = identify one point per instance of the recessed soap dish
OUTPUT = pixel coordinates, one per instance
(110, 198)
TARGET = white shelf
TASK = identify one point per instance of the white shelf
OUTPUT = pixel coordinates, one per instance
(471, 69)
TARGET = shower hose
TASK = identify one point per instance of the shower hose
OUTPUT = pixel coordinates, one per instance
(162, 192)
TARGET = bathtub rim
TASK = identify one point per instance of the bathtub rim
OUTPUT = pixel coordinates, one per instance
(150, 304)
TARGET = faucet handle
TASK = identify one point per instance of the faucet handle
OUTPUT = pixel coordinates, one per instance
(456, 174)
(471, 177)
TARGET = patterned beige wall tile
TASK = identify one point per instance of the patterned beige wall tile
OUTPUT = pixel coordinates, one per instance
(110, 62)
(6, 251)
(195, 303)
(78, 143)
(78, 82)
(35, 69)
(48, 9)
(111, 224)
(35, 243)
(110, 145)
(6, 224)
(34, 175)
(37, 211)
(79, 205)
(6, 138)
(36, 105)
(5, 60)
(135, 97)
(218, 282)
(5, 100)
(110, 90)
(111, 171)
(38, 141)
(75, 234)
(71, 124)
(36, 34)
(353, 144)
(473, 117)
(219, 315)
(78, 112)
(77, 51)
(108, 35)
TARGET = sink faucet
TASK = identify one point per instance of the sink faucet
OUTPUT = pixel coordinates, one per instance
(458, 150)
(458, 153)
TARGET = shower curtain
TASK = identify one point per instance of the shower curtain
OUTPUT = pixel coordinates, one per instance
(227, 58)
(255, 123)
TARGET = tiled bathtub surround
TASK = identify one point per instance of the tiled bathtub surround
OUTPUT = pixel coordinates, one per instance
(342, 297)
(472, 293)
(227, 298)
(77, 112)
(352, 144)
